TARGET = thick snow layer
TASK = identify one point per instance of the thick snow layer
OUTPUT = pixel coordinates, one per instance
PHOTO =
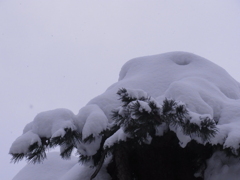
(47, 123)
(203, 85)
(91, 120)
(55, 168)
(22, 143)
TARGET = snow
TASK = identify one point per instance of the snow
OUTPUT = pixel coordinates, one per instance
(59, 133)
(83, 172)
(197, 118)
(58, 169)
(52, 168)
(136, 93)
(221, 167)
(89, 148)
(118, 136)
(91, 120)
(45, 124)
(121, 111)
(96, 122)
(22, 143)
(205, 88)
(183, 139)
(144, 107)
(233, 140)
(161, 129)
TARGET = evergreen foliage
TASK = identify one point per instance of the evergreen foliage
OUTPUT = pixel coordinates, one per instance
(37, 153)
(67, 142)
(139, 122)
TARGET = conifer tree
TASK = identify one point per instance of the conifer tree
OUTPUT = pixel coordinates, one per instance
(154, 141)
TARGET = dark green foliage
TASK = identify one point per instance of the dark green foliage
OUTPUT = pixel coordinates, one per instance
(101, 153)
(89, 139)
(67, 142)
(140, 123)
(70, 138)
(178, 116)
(17, 157)
(84, 158)
(66, 151)
(126, 98)
(36, 153)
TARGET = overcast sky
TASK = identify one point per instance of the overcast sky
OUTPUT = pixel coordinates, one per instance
(56, 53)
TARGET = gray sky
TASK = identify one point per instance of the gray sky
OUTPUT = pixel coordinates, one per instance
(56, 53)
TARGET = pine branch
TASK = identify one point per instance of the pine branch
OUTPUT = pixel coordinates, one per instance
(67, 142)
(66, 153)
(126, 98)
(16, 157)
(89, 139)
(137, 121)
(177, 115)
(70, 138)
(36, 153)
(84, 158)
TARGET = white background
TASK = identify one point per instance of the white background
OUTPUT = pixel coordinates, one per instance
(56, 53)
